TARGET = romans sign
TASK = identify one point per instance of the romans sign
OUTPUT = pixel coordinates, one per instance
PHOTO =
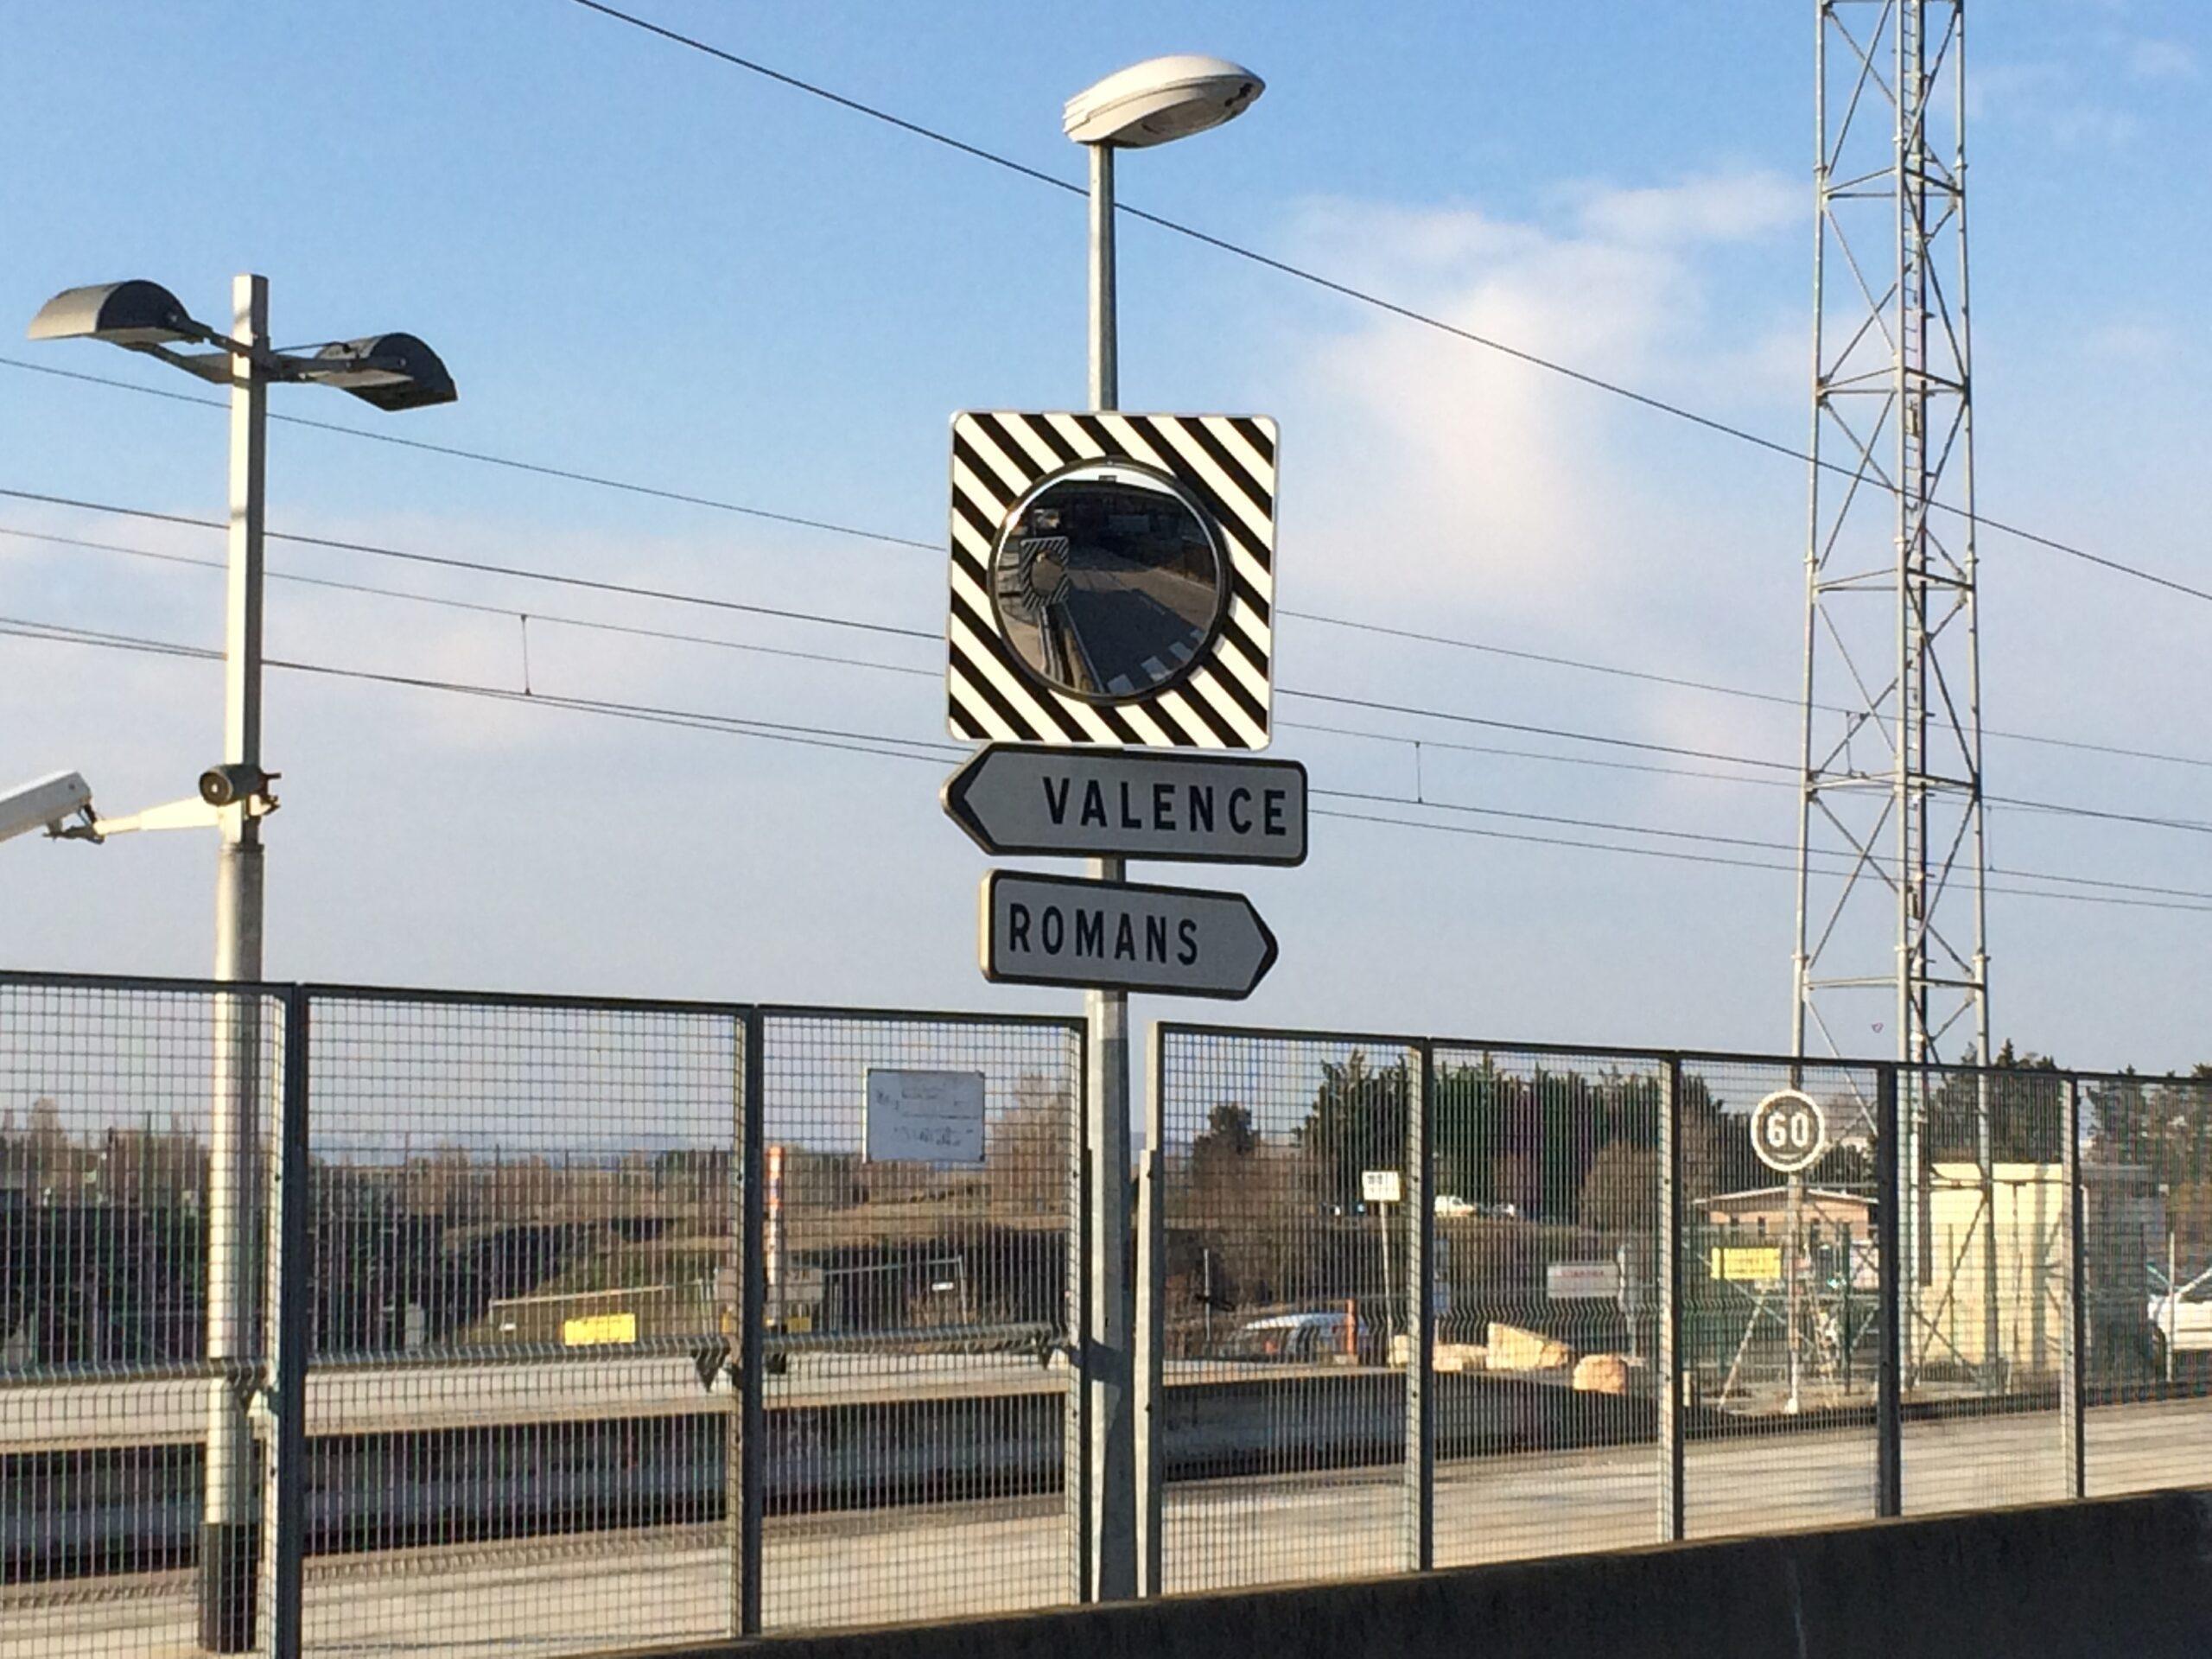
(1020, 799)
(1049, 930)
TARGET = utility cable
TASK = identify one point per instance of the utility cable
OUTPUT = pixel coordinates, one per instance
(1347, 290)
(670, 635)
(519, 572)
(485, 458)
(1516, 653)
(1375, 705)
(936, 752)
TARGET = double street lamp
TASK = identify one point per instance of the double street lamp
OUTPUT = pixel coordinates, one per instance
(1155, 102)
(1152, 103)
(391, 371)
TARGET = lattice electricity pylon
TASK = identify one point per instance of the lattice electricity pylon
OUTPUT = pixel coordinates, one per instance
(1890, 921)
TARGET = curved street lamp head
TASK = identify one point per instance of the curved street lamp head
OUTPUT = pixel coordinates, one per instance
(137, 313)
(1159, 100)
(391, 371)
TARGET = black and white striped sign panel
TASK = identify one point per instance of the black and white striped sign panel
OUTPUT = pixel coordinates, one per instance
(1112, 580)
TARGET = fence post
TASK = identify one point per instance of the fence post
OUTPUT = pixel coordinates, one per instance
(291, 1285)
(2073, 1332)
(1075, 1445)
(1668, 1370)
(1151, 1333)
(748, 1412)
(1889, 1461)
(1420, 1318)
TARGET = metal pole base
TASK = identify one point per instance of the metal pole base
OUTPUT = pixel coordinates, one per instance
(230, 1558)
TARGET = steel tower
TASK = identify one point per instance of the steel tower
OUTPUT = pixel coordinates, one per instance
(1891, 917)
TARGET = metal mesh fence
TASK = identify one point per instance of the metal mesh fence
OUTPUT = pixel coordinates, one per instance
(525, 1257)
(1983, 1232)
(1780, 1281)
(922, 1186)
(524, 1281)
(1546, 1193)
(134, 1137)
(2146, 1186)
(1286, 1234)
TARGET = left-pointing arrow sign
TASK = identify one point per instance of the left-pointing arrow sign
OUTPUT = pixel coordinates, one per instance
(1122, 935)
(1016, 798)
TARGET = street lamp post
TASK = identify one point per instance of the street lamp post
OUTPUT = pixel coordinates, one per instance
(393, 372)
(1151, 102)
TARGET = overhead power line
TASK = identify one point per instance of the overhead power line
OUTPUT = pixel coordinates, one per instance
(1367, 297)
(522, 572)
(1745, 693)
(1485, 647)
(936, 752)
(629, 487)
(808, 736)
(477, 606)
(826, 620)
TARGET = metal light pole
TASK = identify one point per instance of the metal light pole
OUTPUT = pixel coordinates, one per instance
(228, 1543)
(1106, 1108)
(1151, 102)
(392, 371)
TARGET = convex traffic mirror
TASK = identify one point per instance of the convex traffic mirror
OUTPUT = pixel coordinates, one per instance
(1108, 580)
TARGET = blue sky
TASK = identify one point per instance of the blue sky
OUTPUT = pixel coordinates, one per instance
(643, 264)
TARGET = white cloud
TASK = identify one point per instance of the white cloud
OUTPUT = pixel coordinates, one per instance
(2128, 341)
(1467, 480)
(1721, 207)
(2049, 99)
(2154, 60)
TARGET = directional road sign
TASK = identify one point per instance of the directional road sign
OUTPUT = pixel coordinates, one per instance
(1122, 935)
(1024, 799)
(1112, 579)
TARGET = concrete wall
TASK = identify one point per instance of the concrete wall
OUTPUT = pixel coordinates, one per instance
(2115, 1579)
(68, 1513)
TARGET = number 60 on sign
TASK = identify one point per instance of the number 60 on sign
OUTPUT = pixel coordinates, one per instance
(1789, 1131)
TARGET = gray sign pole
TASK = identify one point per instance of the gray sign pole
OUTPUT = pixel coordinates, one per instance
(229, 1551)
(1108, 1356)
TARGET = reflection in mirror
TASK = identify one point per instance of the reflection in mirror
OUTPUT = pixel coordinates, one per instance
(1107, 580)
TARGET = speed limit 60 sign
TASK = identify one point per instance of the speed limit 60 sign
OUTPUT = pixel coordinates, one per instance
(1789, 1131)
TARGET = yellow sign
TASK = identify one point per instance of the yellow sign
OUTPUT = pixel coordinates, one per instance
(1756, 1264)
(599, 1328)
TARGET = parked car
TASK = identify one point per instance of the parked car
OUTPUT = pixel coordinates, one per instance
(2185, 1316)
(1295, 1339)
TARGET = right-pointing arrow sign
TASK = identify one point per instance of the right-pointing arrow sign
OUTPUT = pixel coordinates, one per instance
(1117, 936)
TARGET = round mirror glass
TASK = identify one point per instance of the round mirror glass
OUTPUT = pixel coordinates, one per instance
(1107, 580)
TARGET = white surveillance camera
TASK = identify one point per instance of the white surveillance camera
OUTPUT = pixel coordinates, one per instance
(48, 803)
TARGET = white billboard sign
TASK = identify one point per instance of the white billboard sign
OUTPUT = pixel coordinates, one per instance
(925, 1117)
(1582, 1281)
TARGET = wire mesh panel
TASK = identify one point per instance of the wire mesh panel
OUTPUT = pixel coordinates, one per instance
(2146, 1179)
(1546, 1201)
(526, 1257)
(134, 1145)
(1983, 1230)
(922, 1190)
(1781, 1281)
(1283, 1181)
